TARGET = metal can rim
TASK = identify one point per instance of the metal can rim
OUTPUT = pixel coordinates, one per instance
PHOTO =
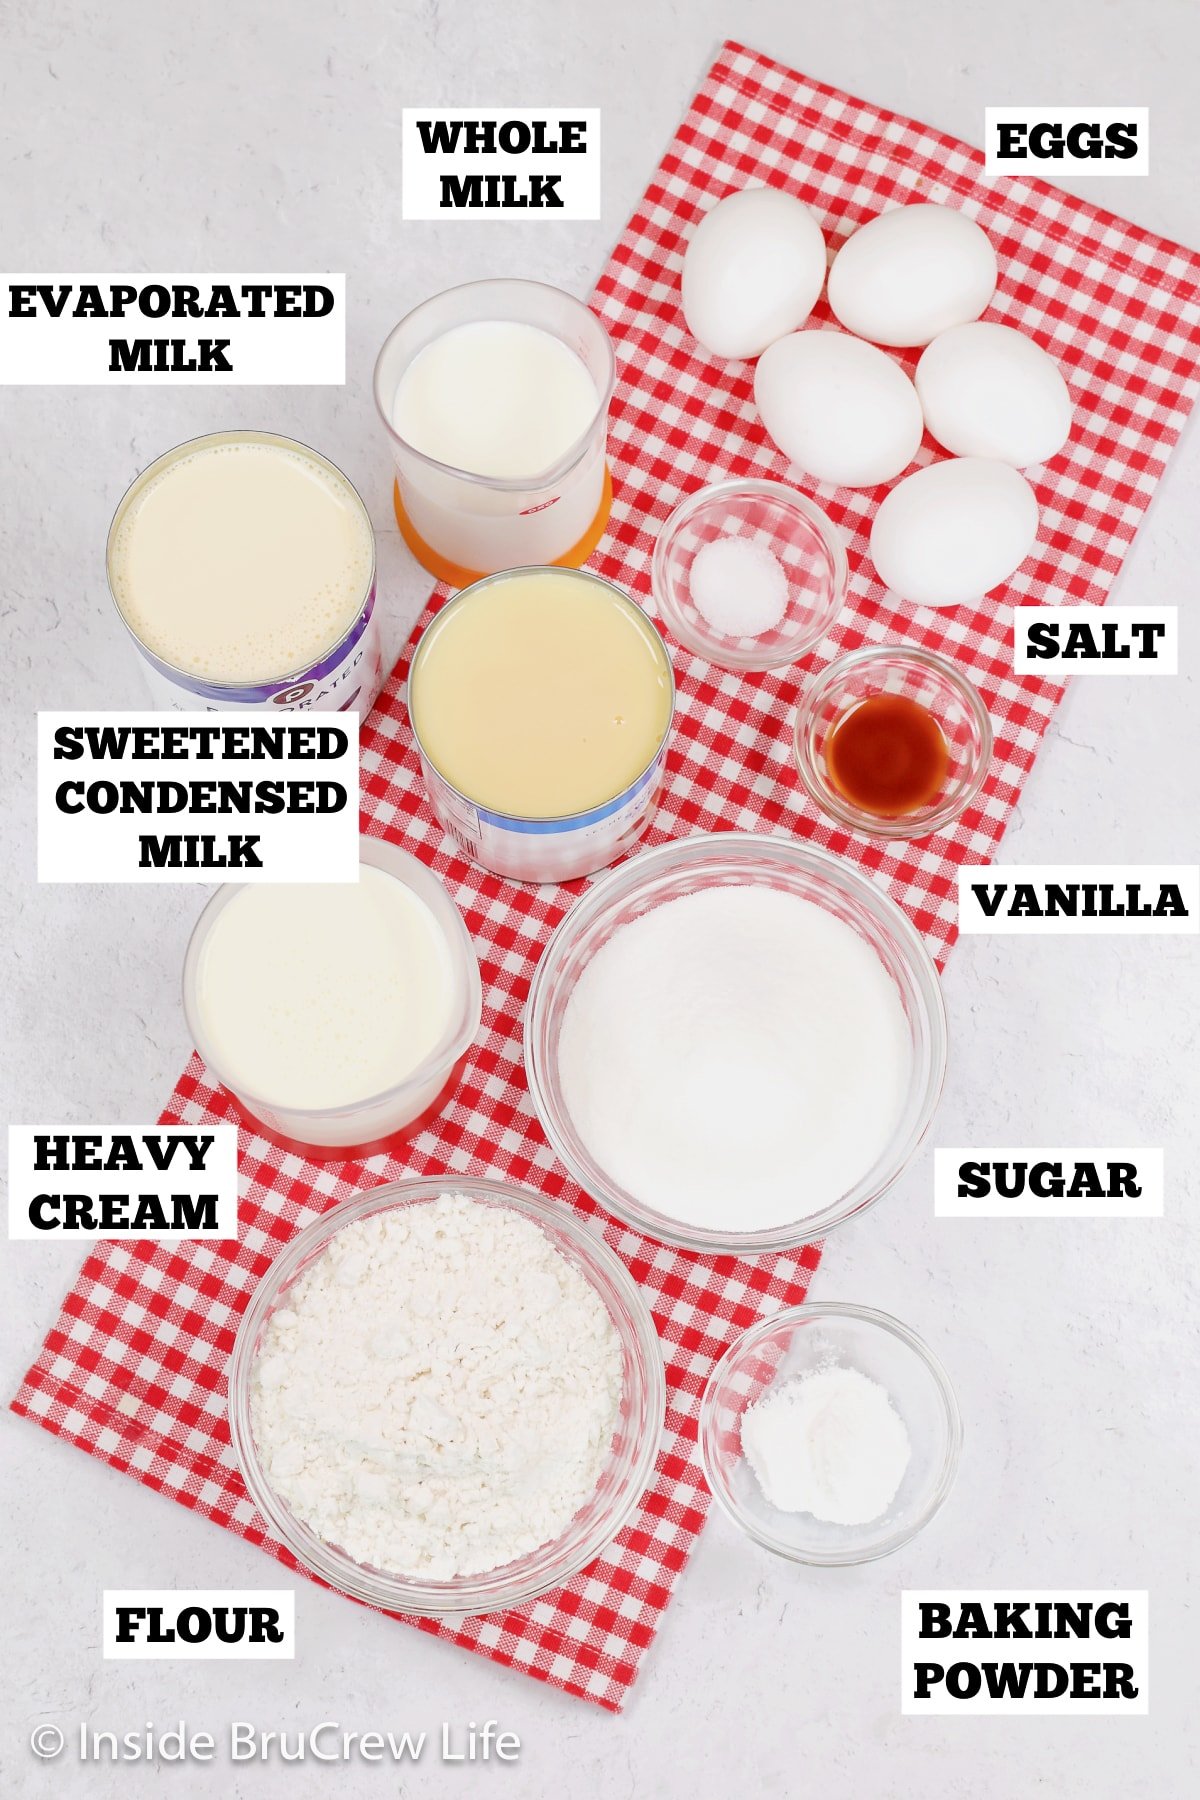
(570, 820)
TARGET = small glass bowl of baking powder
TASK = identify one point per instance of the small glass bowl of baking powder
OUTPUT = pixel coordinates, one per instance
(786, 1348)
(623, 1478)
(749, 574)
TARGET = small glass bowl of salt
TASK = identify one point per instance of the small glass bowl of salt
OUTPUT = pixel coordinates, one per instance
(830, 1434)
(749, 574)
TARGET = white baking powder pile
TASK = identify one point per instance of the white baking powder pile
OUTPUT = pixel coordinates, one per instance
(438, 1392)
(739, 586)
(735, 1058)
(829, 1443)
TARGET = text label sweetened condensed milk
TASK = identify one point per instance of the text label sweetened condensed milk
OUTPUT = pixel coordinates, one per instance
(541, 701)
(243, 565)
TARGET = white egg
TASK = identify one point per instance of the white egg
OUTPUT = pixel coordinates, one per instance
(838, 408)
(949, 534)
(911, 273)
(988, 390)
(753, 270)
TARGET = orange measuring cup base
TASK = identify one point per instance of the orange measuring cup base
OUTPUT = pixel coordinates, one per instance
(456, 576)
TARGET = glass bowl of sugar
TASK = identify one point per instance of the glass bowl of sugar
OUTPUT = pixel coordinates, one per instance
(735, 1042)
(749, 574)
(830, 1434)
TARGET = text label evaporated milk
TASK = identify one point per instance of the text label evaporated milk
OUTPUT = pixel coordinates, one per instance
(243, 565)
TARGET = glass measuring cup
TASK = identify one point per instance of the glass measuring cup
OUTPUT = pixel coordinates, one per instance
(461, 526)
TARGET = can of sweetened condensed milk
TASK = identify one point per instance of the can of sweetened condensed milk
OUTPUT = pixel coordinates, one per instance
(541, 702)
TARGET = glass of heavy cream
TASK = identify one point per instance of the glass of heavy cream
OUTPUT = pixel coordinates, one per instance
(337, 1015)
(495, 400)
(541, 702)
(243, 566)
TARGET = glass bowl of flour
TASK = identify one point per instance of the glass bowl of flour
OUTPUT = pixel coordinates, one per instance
(830, 1434)
(446, 1396)
(735, 1042)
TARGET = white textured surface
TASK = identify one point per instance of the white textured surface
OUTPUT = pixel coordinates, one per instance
(266, 136)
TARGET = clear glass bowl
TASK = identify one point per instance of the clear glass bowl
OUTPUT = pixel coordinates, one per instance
(735, 859)
(809, 1337)
(623, 1479)
(919, 675)
(798, 534)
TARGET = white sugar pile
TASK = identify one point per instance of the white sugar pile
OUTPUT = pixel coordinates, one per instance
(736, 1058)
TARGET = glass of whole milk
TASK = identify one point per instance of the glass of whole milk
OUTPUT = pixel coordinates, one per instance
(495, 400)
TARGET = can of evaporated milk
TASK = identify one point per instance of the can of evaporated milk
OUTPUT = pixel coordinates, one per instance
(541, 702)
(242, 565)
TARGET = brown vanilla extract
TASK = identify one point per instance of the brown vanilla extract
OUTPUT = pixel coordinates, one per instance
(887, 755)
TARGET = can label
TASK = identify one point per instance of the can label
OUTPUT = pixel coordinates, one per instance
(347, 679)
(546, 849)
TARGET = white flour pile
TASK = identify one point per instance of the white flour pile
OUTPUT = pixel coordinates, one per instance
(736, 1058)
(438, 1393)
(829, 1443)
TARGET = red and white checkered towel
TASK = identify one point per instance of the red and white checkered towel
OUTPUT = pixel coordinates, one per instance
(134, 1370)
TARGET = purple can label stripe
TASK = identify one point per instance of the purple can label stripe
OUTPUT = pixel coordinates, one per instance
(249, 696)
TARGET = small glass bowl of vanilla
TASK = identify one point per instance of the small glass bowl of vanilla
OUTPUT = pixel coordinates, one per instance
(914, 1402)
(892, 741)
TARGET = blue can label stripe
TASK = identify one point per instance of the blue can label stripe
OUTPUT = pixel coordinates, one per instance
(578, 821)
(546, 850)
